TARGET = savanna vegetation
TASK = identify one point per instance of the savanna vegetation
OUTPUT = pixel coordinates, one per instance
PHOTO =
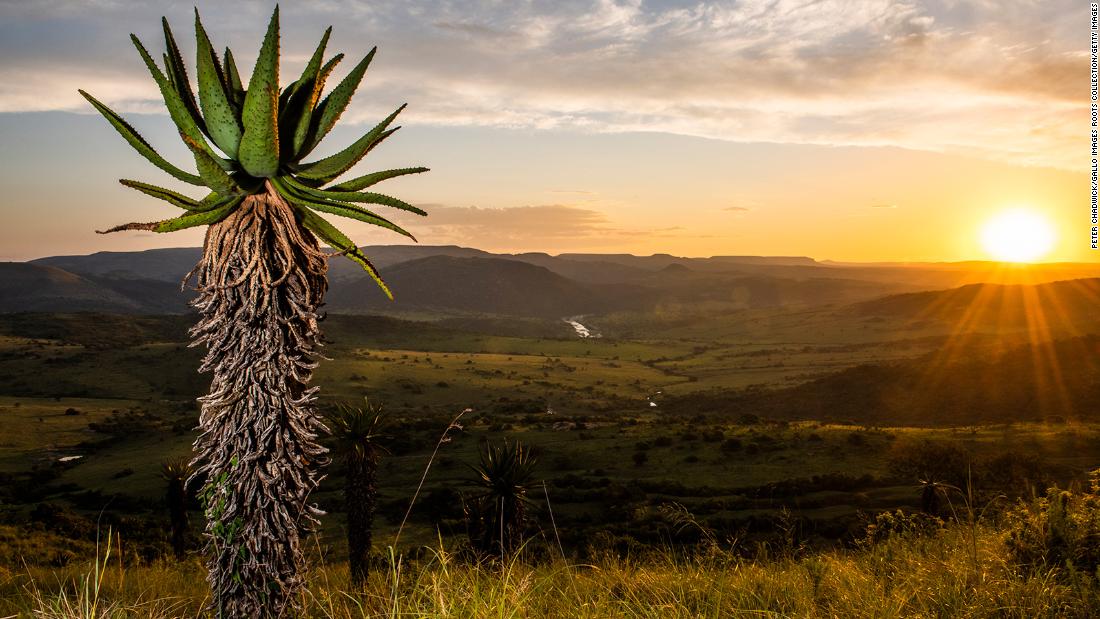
(632, 505)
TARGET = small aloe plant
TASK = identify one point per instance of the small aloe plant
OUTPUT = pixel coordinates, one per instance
(359, 441)
(498, 511)
(260, 282)
(175, 472)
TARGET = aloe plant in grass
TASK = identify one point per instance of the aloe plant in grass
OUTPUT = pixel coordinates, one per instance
(260, 282)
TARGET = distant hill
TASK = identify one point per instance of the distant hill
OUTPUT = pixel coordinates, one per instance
(1057, 381)
(660, 261)
(591, 271)
(385, 256)
(483, 285)
(462, 281)
(32, 287)
(173, 264)
(168, 265)
(1066, 306)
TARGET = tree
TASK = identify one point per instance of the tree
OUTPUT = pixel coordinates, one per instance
(260, 282)
(176, 471)
(357, 438)
(498, 512)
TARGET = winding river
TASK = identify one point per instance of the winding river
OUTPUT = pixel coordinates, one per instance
(583, 332)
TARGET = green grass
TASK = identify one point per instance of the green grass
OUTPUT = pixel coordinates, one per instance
(38, 430)
(960, 572)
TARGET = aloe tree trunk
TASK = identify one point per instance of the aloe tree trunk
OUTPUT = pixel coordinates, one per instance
(176, 498)
(260, 282)
(360, 497)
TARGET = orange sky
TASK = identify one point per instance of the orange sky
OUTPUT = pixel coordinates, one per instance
(847, 130)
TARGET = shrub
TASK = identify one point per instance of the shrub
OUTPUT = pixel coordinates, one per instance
(931, 461)
(1061, 528)
(731, 444)
(887, 525)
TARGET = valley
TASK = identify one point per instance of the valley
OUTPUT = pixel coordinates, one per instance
(736, 397)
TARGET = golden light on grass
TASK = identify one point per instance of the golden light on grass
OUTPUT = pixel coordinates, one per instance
(1018, 235)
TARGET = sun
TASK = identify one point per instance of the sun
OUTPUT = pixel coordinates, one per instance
(1018, 235)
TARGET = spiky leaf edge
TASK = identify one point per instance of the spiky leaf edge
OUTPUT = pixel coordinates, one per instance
(333, 207)
(342, 244)
(333, 106)
(210, 202)
(221, 116)
(259, 149)
(189, 220)
(327, 169)
(140, 145)
(176, 108)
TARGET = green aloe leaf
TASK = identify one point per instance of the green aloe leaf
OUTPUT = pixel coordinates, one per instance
(259, 150)
(326, 114)
(326, 71)
(365, 197)
(190, 220)
(212, 174)
(341, 243)
(177, 73)
(342, 209)
(330, 167)
(233, 84)
(295, 117)
(367, 180)
(172, 197)
(140, 145)
(221, 118)
(284, 99)
(176, 108)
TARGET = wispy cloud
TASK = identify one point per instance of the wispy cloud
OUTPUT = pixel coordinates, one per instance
(994, 79)
(524, 227)
(517, 223)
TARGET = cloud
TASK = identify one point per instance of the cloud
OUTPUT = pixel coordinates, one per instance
(551, 225)
(738, 209)
(887, 206)
(544, 221)
(523, 227)
(999, 80)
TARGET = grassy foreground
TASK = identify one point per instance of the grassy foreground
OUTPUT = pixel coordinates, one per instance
(956, 572)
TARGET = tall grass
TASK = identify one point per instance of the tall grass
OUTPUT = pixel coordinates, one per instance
(959, 571)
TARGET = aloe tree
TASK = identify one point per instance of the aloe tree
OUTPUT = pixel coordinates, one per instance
(260, 281)
(175, 472)
(358, 438)
(498, 513)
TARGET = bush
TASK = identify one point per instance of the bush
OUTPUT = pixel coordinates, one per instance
(887, 525)
(1059, 529)
(731, 444)
(931, 461)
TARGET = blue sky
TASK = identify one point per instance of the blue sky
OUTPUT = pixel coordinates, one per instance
(692, 127)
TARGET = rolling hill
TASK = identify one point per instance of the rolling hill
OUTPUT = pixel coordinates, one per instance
(1065, 306)
(485, 286)
(31, 287)
(460, 281)
(1043, 382)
